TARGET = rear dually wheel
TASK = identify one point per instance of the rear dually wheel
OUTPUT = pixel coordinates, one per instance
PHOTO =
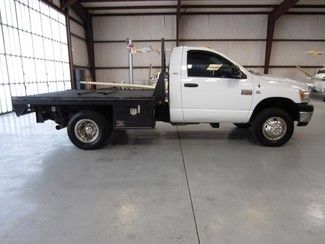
(88, 130)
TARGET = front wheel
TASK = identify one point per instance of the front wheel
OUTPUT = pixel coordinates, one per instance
(273, 127)
(88, 130)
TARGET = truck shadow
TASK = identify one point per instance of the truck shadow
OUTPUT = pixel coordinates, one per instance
(149, 137)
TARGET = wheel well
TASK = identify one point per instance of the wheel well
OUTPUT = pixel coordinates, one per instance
(105, 110)
(66, 112)
(277, 102)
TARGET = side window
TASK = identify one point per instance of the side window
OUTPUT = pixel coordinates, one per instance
(207, 64)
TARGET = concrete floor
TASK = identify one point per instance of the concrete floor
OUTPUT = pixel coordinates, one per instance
(169, 185)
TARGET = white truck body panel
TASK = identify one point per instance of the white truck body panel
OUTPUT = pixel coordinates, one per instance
(277, 87)
(175, 86)
(217, 100)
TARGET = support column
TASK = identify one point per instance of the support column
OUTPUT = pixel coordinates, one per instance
(275, 14)
(268, 47)
(67, 21)
(178, 16)
(90, 47)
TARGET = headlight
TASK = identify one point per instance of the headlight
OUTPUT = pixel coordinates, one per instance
(304, 95)
(310, 85)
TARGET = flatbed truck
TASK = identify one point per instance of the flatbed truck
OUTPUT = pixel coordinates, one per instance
(201, 86)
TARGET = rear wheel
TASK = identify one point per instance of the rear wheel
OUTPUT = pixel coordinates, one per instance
(273, 127)
(88, 130)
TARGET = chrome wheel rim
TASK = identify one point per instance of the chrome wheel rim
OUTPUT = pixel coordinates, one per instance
(86, 130)
(274, 128)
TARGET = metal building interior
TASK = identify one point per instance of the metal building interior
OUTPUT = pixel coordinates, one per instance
(183, 184)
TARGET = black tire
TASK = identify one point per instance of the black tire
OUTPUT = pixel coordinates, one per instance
(262, 117)
(96, 119)
(242, 125)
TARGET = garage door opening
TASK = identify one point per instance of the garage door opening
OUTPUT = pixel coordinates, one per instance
(33, 50)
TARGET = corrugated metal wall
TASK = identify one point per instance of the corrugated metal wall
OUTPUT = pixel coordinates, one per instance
(111, 31)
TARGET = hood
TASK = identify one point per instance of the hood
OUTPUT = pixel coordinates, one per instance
(283, 82)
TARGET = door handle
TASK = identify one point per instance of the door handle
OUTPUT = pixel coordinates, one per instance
(191, 85)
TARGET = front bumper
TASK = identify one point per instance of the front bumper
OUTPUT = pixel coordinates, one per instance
(305, 113)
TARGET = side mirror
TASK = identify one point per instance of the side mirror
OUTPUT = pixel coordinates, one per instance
(236, 72)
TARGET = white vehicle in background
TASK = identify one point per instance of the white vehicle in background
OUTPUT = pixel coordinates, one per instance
(203, 86)
(317, 80)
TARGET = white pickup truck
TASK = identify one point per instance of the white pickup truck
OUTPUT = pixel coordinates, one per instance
(203, 86)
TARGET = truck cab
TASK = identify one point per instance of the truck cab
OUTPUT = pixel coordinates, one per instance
(206, 86)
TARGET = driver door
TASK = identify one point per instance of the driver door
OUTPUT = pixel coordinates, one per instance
(211, 91)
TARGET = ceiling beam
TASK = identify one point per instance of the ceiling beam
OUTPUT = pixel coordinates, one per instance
(52, 5)
(182, 13)
(178, 16)
(202, 13)
(67, 4)
(107, 1)
(184, 6)
(281, 9)
(131, 7)
(275, 14)
(81, 12)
